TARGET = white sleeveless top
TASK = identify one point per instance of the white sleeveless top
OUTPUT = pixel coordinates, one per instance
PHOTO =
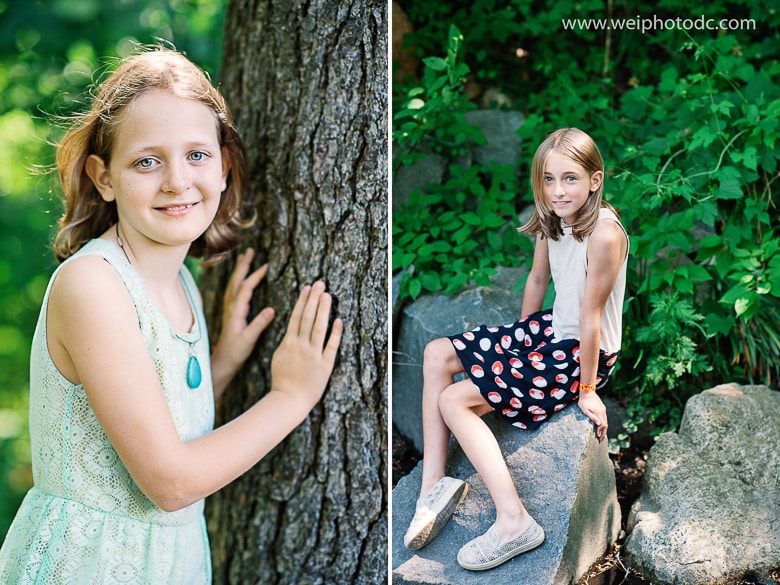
(569, 268)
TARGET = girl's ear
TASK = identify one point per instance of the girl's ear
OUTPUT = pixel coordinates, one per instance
(98, 172)
(226, 166)
(596, 179)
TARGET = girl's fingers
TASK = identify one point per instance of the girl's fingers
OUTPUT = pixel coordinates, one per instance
(601, 428)
(334, 341)
(310, 310)
(238, 298)
(598, 416)
(257, 276)
(320, 326)
(294, 326)
(238, 293)
(244, 294)
(240, 271)
(260, 322)
(310, 318)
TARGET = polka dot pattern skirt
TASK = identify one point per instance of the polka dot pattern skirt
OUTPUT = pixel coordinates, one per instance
(523, 371)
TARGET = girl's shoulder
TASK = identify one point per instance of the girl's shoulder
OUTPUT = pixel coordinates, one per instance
(609, 233)
(88, 279)
(611, 229)
(92, 253)
(609, 221)
(87, 309)
(608, 213)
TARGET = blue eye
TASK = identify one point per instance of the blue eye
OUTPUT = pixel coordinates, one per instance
(145, 163)
(198, 156)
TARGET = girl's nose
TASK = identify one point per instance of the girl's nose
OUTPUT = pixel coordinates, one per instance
(177, 179)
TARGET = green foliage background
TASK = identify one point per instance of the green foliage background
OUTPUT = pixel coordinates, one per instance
(688, 123)
(50, 53)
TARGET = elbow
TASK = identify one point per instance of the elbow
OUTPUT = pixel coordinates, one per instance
(169, 498)
(170, 502)
(168, 489)
(537, 280)
(589, 325)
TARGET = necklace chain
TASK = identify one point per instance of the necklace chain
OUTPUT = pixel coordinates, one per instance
(194, 375)
(121, 243)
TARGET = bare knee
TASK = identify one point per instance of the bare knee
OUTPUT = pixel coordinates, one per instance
(440, 358)
(453, 400)
(448, 402)
(461, 397)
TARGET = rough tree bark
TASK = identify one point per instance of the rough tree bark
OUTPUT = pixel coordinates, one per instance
(307, 84)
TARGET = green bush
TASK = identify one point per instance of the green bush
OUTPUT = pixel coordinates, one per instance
(460, 230)
(696, 190)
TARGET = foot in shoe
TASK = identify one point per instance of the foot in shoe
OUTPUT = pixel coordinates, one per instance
(433, 511)
(511, 528)
(489, 550)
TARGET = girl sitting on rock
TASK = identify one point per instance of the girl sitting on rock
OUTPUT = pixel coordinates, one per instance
(528, 370)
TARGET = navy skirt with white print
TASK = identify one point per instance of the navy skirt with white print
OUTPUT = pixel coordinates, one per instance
(523, 371)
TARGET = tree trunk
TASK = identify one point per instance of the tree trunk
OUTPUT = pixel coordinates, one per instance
(307, 84)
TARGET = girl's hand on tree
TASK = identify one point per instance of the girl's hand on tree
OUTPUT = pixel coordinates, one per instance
(304, 360)
(238, 337)
(594, 409)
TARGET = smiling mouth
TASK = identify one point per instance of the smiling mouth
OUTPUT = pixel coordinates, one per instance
(175, 207)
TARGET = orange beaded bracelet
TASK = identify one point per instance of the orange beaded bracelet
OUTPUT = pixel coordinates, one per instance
(587, 388)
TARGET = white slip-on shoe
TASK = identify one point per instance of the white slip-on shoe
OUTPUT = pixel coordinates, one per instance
(487, 551)
(433, 511)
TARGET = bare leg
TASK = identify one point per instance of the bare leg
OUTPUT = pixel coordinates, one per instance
(462, 407)
(440, 364)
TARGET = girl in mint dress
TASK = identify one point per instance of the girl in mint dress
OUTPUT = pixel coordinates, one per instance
(123, 379)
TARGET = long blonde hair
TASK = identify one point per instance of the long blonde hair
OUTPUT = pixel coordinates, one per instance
(87, 215)
(580, 148)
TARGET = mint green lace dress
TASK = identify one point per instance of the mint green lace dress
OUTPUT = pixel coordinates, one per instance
(85, 521)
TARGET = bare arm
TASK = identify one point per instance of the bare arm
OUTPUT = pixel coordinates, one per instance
(92, 325)
(538, 279)
(607, 248)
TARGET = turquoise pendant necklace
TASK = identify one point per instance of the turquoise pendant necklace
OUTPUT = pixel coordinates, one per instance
(194, 374)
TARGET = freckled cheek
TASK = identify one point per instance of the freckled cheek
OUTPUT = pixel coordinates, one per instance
(549, 193)
(212, 183)
(131, 188)
(216, 188)
(212, 193)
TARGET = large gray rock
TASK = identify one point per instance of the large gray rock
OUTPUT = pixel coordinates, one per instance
(710, 504)
(500, 129)
(395, 299)
(423, 172)
(432, 316)
(566, 481)
(502, 146)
